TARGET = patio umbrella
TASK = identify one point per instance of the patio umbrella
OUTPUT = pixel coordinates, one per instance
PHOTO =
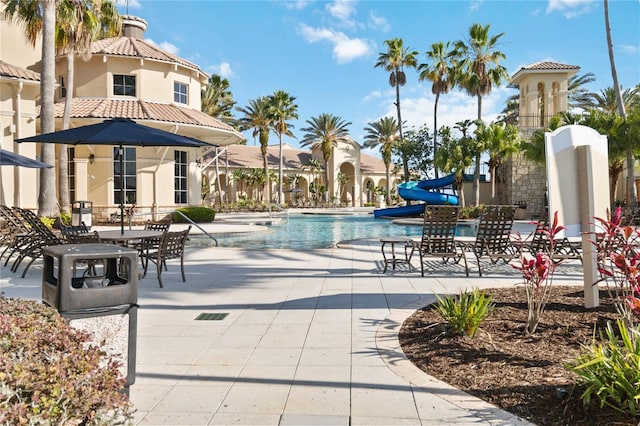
(8, 158)
(117, 132)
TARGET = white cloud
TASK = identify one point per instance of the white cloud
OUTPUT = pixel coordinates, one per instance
(373, 95)
(345, 49)
(134, 4)
(164, 45)
(417, 104)
(570, 8)
(342, 10)
(224, 70)
(296, 5)
(475, 5)
(627, 48)
(378, 23)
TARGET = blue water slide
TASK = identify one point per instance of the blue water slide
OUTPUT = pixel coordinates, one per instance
(422, 190)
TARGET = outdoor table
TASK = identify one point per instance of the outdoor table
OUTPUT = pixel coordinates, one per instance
(117, 237)
(394, 260)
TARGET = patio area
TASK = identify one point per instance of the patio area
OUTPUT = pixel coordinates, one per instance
(310, 337)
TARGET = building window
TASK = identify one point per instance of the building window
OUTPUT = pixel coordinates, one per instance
(180, 91)
(71, 164)
(180, 178)
(124, 85)
(128, 176)
(63, 88)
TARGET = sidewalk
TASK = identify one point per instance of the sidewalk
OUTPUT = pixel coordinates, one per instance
(310, 338)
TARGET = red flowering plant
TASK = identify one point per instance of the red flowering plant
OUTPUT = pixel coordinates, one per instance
(618, 260)
(537, 273)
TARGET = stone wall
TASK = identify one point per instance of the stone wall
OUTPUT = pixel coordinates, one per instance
(526, 182)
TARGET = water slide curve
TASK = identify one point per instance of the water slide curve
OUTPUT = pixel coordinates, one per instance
(422, 190)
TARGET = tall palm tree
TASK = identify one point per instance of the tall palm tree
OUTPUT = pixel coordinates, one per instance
(480, 71)
(282, 109)
(39, 17)
(395, 60)
(631, 173)
(441, 72)
(217, 99)
(324, 131)
(258, 119)
(500, 139)
(78, 25)
(383, 133)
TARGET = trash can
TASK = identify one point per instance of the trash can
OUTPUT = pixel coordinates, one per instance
(95, 286)
(82, 211)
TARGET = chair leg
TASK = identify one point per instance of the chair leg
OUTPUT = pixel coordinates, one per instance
(184, 280)
(421, 264)
(159, 268)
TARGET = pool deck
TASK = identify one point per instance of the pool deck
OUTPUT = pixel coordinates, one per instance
(311, 338)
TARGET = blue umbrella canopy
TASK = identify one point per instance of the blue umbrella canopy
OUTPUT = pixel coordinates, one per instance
(117, 132)
(8, 158)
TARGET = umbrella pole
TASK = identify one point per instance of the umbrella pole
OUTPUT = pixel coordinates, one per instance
(121, 154)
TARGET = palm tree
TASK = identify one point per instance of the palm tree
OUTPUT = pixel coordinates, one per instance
(500, 139)
(282, 109)
(394, 60)
(241, 176)
(39, 17)
(257, 118)
(631, 178)
(324, 131)
(606, 100)
(217, 99)
(383, 133)
(314, 166)
(454, 155)
(79, 24)
(342, 180)
(441, 71)
(479, 72)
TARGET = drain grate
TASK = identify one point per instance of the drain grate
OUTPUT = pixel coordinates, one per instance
(211, 316)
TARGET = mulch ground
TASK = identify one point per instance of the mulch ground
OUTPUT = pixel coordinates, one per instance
(522, 374)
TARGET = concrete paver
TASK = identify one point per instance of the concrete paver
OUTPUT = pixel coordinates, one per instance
(310, 338)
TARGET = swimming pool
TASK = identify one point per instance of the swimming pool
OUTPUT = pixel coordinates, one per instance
(313, 231)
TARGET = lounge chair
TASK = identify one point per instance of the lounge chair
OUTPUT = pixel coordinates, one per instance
(438, 236)
(493, 238)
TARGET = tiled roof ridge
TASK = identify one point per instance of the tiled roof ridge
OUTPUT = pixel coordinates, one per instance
(548, 65)
(133, 47)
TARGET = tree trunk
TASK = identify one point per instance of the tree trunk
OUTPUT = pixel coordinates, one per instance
(47, 196)
(631, 171)
(280, 175)
(435, 131)
(476, 171)
(63, 157)
(400, 134)
(388, 185)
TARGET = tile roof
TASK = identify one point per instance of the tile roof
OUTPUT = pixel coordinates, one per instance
(249, 157)
(136, 48)
(549, 66)
(138, 109)
(13, 71)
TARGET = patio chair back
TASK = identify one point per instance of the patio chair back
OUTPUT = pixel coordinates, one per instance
(493, 237)
(438, 235)
(171, 246)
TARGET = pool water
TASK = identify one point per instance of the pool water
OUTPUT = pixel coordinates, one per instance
(310, 231)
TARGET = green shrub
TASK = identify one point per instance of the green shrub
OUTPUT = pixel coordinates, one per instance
(466, 312)
(48, 221)
(471, 212)
(65, 218)
(51, 375)
(196, 214)
(609, 371)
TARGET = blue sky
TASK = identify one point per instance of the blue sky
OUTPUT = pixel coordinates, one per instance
(323, 52)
